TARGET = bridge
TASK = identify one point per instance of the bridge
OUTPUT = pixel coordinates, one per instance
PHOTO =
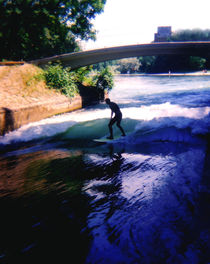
(84, 58)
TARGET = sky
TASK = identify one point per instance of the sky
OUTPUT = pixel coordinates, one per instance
(127, 22)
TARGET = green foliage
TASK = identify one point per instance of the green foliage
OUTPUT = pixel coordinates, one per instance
(33, 29)
(70, 82)
(130, 65)
(146, 63)
(81, 75)
(102, 65)
(104, 79)
(191, 35)
(61, 79)
(197, 63)
(173, 63)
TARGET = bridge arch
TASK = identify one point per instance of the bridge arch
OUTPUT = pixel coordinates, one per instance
(84, 58)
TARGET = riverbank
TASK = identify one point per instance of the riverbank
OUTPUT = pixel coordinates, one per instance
(197, 73)
(25, 99)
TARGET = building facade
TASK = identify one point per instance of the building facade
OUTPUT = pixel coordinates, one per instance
(163, 34)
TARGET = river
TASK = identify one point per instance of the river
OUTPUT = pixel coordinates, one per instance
(141, 199)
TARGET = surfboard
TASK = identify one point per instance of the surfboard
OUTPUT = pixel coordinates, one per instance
(106, 140)
(103, 140)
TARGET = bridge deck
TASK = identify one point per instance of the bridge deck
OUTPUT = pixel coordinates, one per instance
(84, 58)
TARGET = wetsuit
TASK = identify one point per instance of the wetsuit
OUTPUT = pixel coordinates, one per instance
(118, 114)
(117, 118)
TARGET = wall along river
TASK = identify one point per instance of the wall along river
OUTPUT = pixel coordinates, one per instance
(143, 199)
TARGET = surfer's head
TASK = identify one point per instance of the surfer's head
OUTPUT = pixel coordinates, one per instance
(107, 100)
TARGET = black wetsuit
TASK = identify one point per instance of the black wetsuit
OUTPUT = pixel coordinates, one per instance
(118, 114)
(117, 118)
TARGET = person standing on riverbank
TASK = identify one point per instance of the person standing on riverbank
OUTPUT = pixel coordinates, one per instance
(117, 118)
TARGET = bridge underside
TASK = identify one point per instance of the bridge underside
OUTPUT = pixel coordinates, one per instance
(84, 58)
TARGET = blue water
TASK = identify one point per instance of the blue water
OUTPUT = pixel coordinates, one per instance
(140, 199)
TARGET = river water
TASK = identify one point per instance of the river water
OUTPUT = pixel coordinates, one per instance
(141, 199)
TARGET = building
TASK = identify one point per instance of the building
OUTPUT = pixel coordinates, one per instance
(163, 34)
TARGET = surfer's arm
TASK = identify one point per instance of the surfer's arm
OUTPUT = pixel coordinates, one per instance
(111, 114)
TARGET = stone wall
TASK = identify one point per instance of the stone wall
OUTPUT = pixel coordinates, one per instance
(11, 119)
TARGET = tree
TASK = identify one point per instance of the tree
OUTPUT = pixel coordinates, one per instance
(129, 65)
(31, 29)
(104, 79)
(191, 35)
(146, 63)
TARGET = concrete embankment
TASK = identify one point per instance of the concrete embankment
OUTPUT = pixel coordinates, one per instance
(11, 119)
(23, 99)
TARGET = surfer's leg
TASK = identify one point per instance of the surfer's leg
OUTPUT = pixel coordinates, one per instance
(121, 129)
(118, 125)
(111, 123)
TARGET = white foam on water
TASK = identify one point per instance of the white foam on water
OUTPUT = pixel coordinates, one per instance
(51, 126)
(182, 117)
(164, 110)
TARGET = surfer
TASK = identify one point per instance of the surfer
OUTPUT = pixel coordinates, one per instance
(117, 118)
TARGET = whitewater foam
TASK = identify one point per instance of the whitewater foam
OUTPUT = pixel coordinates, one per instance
(149, 118)
(165, 110)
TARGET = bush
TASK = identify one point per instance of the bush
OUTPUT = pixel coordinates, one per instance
(61, 79)
(70, 82)
(104, 79)
(81, 75)
(130, 65)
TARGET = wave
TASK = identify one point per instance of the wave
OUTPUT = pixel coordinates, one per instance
(166, 134)
(163, 129)
(155, 122)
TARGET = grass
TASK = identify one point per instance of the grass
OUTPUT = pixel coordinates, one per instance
(20, 86)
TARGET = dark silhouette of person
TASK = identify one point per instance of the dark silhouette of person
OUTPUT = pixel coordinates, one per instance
(117, 118)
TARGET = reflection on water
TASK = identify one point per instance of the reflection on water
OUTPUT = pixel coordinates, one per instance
(104, 206)
(43, 212)
(151, 215)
